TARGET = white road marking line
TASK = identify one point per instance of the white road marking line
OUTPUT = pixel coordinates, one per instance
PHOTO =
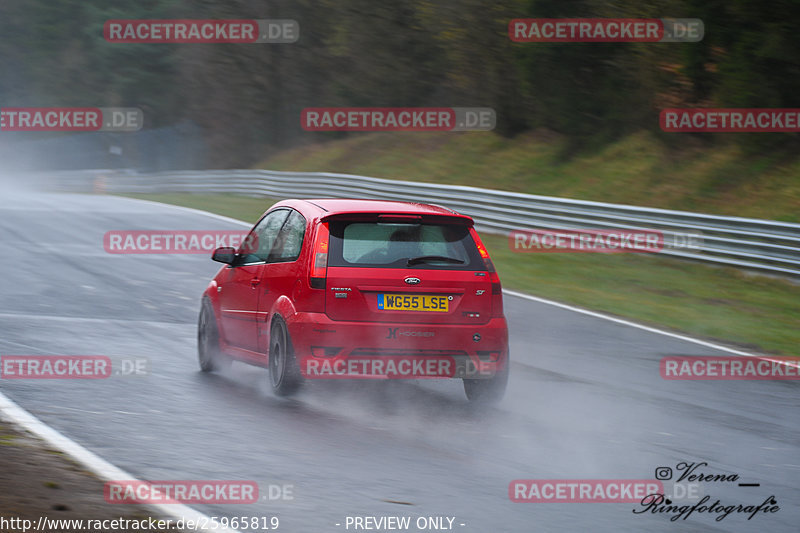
(27, 346)
(196, 211)
(651, 329)
(102, 468)
(76, 409)
(118, 321)
(631, 324)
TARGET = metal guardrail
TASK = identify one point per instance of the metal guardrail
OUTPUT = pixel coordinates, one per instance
(765, 245)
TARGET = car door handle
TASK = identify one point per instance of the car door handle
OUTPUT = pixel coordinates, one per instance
(254, 282)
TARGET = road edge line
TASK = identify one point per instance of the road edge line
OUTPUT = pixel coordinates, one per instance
(632, 324)
(93, 462)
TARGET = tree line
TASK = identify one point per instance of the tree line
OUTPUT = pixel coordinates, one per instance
(452, 53)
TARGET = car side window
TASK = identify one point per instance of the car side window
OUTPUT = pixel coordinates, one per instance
(258, 243)
(289, 242)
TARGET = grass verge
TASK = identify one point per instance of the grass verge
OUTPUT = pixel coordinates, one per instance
(639, 169)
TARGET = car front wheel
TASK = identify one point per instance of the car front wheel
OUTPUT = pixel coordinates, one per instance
(209, 354)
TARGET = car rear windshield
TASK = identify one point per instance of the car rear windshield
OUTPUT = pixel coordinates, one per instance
(403, 245)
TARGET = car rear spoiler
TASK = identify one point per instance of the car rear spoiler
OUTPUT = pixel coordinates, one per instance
(381, 216)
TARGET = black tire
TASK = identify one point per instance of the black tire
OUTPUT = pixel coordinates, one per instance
(284, 374)
(487, 391)
(209, 354)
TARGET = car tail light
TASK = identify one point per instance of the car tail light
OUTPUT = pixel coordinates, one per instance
(482, 250)
(319, 258)
(497, 289)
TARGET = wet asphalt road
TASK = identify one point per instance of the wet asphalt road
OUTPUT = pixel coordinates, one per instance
(585, 399)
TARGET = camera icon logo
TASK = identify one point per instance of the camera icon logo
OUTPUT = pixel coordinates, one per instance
(663, 473)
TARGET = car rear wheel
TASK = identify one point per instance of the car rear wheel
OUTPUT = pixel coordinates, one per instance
(209, 354)
(487, 391)
(284, 375)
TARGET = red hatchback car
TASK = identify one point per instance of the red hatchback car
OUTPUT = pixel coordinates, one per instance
(335, 288)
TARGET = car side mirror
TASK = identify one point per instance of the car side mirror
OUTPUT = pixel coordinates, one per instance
(224, 254)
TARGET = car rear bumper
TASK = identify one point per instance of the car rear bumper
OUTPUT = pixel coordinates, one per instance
(329, 349)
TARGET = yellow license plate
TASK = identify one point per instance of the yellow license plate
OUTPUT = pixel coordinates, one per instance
(413, 302)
